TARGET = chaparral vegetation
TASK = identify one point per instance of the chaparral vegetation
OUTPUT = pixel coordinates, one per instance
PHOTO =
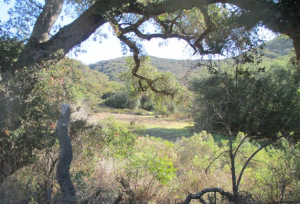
(223, 128)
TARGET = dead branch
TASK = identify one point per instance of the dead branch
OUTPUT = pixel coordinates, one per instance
(198, 196)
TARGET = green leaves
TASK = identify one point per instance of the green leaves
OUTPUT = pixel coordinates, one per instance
(161, 89)
(151, 164)
(245, 98)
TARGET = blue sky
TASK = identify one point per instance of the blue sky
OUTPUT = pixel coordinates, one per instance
(110, 48)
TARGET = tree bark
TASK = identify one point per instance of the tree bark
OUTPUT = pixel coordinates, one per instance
(46, 20)
(38, 51)
(296, 42)
(235, 187)
(65, 157)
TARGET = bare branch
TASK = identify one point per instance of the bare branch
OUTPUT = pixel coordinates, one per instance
(136, 53)
(235, 187)
(199, 195)
(254, 153)
(137, 66)
(238, 147)
(214, 160)
(168, 31)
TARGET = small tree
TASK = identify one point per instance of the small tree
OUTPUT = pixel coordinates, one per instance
(235, 197)
(258, 100)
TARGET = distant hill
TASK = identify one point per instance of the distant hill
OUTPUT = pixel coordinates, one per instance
(113, 68)
(278, 47)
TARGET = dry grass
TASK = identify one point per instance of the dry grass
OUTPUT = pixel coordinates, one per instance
(165, 128)
(148, 121)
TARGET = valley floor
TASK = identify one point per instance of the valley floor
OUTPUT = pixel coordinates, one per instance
(155, 126)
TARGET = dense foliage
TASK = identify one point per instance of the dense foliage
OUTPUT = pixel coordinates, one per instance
(260, 100)
(29, 104)
(88, 86)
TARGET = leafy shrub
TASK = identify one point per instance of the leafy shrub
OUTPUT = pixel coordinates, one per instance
(122, 100)
(147, 103)
(280, 178)
(29, 106)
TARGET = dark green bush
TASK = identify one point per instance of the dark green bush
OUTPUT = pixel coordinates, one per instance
(257, 103)
(122, 100)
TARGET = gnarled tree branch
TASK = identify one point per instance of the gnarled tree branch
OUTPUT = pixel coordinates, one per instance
(136, 68)
(199, 196)
(68, 37)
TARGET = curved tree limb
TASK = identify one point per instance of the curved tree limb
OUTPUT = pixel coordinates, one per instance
(192, 39)
(253, 154)
(260, 12)
(240, 144)
(217, 157)
(136, 53)
(40, 49)
(67, 37)
(198, 196)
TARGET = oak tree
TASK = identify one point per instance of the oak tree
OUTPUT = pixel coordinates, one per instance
(208, 26)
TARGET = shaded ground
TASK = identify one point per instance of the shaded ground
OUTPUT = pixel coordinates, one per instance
(157, 127)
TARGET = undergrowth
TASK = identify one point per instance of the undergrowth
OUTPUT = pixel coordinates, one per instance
(112, 164)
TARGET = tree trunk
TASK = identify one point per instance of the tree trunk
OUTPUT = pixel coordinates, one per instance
(296, 42)
(65, 157)
(235, 188)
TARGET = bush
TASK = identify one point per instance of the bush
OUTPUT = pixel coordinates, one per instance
(122, 100)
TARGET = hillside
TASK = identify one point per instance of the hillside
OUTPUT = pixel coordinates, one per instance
(113, 68)
(278, 47)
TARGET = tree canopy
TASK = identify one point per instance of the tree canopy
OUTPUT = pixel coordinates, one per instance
(208, 26)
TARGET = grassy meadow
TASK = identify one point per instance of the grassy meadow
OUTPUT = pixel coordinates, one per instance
(163, 127)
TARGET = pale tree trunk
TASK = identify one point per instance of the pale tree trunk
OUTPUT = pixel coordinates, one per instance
(65, 157)
(41, 49)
